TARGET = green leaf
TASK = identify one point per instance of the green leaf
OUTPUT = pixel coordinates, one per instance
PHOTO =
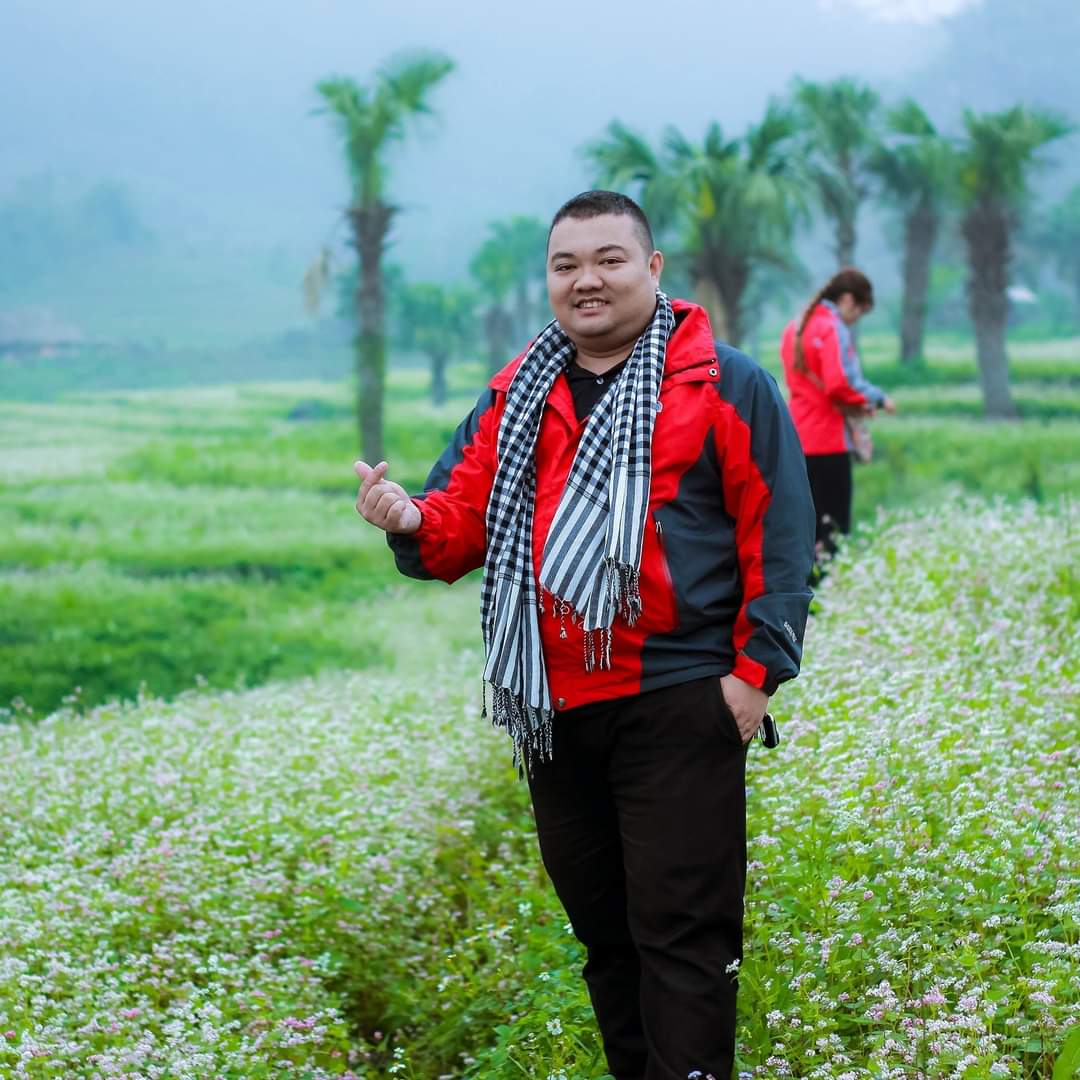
(1068, 1062)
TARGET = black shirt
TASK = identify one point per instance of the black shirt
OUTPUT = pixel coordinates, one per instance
(588, 388)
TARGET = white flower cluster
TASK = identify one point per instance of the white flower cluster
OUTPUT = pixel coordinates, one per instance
(918, 915)
(181, 883)
(188, 889)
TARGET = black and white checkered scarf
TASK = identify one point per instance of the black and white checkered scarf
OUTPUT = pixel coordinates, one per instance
(589, 570)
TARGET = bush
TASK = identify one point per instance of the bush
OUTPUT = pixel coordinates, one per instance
(102, 635)
(915, 461)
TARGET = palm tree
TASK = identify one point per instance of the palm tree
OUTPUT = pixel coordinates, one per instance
(437, 321)
(525, 241)
(494, 267)
(370, 119)
(838, 120)
(1059, 238)
(916, 167)
(996, 159)
(734, 202)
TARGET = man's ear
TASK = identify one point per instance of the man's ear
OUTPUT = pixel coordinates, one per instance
(656, 266)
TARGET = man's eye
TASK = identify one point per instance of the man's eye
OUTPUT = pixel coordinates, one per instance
(563, 266)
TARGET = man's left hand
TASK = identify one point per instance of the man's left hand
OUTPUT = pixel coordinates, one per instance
(747, 704)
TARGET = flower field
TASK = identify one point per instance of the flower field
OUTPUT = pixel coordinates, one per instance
(337, 876)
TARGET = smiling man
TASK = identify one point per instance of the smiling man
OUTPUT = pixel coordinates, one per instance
(638, 499)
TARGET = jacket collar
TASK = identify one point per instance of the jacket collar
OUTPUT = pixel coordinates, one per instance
(691, 345)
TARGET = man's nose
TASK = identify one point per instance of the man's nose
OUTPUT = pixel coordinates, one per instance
(588, 280)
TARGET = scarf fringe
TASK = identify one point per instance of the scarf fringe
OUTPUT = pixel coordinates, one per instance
(529, 727)
(623, 585)
(598, 658)
(623, 589)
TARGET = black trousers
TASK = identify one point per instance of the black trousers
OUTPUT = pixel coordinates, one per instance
(831, 488)
(641, 816)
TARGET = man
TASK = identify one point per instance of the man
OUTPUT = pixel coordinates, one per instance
(638, 499)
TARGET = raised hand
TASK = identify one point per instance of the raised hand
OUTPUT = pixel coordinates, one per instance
(384, 503)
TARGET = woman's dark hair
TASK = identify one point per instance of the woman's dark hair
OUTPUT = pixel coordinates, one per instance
(848, 280)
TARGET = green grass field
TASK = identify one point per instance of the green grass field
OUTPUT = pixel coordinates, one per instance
(157, 538)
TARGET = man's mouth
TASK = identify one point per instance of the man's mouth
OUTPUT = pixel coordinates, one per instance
(592, 302)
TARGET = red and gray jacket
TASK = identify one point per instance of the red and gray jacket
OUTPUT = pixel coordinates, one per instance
(730, 532)
(831, 381)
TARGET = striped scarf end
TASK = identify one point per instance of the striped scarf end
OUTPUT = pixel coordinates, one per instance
(624, 590)
(529, 727)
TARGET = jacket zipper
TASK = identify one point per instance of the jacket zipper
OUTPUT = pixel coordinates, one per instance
(661, 547)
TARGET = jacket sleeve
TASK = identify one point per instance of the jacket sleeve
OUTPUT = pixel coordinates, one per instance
(452, 538)
(766, 491)
(835, 374)
(859, 382)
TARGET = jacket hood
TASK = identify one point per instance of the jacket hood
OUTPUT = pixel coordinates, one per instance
(691, 345)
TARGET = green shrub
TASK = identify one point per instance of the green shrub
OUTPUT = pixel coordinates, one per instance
(145, 529)
(102, 635)
(917, 461)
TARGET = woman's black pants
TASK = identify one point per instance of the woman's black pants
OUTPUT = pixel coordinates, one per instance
(831, 488)
(641, 816)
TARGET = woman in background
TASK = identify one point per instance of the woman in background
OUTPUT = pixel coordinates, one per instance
(830, 397)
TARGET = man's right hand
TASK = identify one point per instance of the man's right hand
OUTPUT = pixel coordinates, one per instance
(384, 503)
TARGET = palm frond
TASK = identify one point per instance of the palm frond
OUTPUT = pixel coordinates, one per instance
(369, 119)
(909, 118)
(1001, 148)
(408, 79)
(622, 156)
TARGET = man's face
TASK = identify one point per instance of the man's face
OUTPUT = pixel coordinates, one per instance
(601, 281)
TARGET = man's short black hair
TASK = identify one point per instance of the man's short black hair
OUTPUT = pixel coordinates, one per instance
(590, 204)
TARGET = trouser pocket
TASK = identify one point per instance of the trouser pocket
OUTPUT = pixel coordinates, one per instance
(727, 722)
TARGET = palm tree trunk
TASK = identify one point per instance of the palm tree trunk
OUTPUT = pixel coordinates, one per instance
(708, 296)
(733, 279)
(986, 229)
(439, 360)
(370, 224)
(523, 320)
(845, 239)
(920, 234)
(497, 327)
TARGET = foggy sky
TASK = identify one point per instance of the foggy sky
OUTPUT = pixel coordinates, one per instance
(205, 113)
(205, 109)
